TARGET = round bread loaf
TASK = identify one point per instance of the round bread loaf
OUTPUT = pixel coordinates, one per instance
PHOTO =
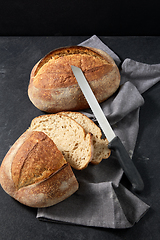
(53, 87)
(35, 173)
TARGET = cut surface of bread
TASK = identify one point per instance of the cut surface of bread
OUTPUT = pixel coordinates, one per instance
(69, 137)
(101, 150)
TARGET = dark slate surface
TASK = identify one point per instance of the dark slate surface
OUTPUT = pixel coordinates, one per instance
(17, 57)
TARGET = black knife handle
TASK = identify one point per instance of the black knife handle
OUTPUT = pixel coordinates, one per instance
(127, 164)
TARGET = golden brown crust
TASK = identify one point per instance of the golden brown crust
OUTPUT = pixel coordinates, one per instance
(64, 51)
(36, 160)
(32, 167)
(53, 190)
(53, 87)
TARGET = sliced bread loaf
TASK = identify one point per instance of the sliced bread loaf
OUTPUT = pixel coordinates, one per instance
(101, 150)
(69, 137)
(35, 173)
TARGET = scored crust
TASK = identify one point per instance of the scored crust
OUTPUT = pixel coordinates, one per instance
(54, 88)
(35, 173)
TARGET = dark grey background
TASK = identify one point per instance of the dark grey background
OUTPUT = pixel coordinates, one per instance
(17, 57)
(79, 17)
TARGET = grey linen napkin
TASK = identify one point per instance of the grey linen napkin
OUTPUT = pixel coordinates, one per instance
(102, 201)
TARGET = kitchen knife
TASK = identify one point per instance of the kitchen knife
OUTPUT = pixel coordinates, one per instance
(115, 143)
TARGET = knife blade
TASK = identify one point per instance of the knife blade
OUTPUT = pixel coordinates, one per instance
(115, 143)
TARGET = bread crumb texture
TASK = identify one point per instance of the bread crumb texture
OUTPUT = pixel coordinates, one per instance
(101, 150)
(69, 137)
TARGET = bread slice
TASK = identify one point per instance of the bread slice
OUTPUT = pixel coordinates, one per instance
(69, 137)
(101, 150)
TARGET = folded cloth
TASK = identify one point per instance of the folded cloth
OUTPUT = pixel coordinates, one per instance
(142, 75)
(98, 205)
(102, 201)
